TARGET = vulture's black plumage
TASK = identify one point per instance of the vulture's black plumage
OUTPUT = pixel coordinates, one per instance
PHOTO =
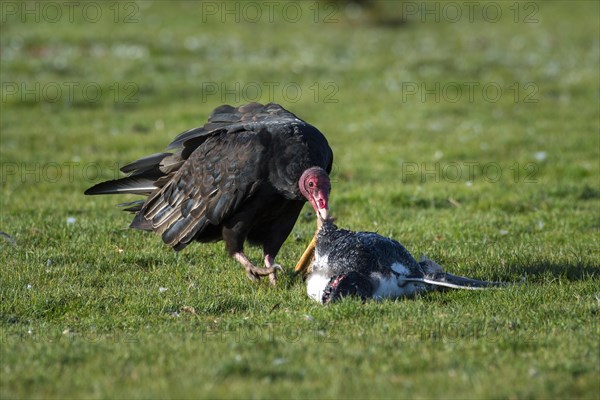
(369, 265)
(244, 175)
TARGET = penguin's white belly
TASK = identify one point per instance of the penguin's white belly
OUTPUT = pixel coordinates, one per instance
(391, 287)
(316, 284)
(394, 285)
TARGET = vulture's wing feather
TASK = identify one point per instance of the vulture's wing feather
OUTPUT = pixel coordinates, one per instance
(217, 177)
(231, 119)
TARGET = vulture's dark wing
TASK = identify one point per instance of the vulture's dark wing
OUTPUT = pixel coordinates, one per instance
(152, 172)
(209, 187)
(251, 116)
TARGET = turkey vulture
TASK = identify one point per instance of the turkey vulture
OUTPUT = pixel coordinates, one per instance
(369, 265)
(244, 175)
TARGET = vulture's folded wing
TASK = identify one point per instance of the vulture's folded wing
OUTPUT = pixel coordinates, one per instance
(216, 178)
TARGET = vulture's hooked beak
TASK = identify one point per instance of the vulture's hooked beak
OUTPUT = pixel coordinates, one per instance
(320, 204)
(322, 215)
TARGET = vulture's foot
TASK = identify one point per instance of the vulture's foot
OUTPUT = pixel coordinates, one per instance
(255, 273)
(270, 264)
(273, 275)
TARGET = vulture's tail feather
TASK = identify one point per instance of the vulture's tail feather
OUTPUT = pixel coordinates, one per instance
(131, 184)
(145, 164)
(132, 206)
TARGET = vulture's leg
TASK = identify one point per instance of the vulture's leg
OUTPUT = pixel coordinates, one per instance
(253, 271)
(234, 237)
(270, 264)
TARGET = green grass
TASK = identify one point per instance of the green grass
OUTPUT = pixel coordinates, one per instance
(82, 311)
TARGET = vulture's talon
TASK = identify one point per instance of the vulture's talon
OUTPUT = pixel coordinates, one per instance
(273, 276)
(255, 273)
(253, 277)
(259, 272)
(273, 279)
(278, 266)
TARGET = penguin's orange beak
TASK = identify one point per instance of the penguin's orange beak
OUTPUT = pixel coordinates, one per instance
(303, 265)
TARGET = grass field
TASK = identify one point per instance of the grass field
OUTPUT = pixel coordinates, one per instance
(470, 135)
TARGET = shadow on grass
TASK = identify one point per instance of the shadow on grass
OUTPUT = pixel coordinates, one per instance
(215, 305)
(247, 369)
(570, 272)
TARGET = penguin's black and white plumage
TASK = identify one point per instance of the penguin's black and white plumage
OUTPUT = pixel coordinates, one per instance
(369, 265)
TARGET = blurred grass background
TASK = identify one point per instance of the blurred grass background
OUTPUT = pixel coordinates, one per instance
(469, 134)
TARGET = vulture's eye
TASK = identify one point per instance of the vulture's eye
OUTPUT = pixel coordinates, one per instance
(311, 184)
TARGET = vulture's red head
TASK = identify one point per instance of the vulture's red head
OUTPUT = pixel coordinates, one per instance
(315, 186)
